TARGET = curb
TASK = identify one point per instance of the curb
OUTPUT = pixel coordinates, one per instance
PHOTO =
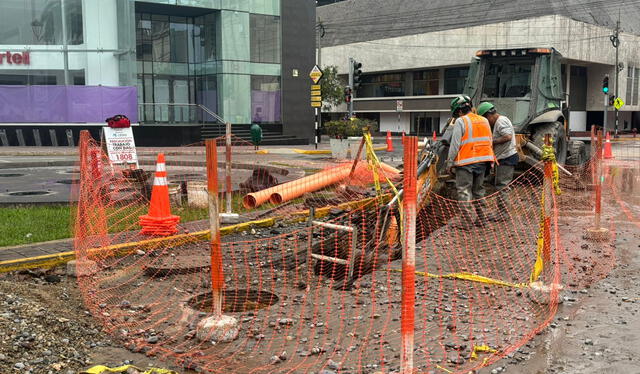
(49, 261)
(328, 151)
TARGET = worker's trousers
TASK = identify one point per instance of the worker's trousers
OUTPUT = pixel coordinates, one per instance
(470, 186)
(504, 175)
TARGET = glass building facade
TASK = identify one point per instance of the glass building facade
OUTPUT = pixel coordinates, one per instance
(172, 55)
(223, 55)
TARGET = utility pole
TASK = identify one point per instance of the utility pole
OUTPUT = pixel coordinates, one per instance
(615, 40)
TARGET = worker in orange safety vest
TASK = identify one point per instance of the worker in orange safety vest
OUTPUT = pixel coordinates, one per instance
(470, 154)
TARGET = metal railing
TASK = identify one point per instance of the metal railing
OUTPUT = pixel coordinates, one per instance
(177, 113)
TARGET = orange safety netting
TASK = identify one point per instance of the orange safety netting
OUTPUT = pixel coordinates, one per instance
(324, 292)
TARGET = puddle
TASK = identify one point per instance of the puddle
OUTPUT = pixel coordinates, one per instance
(29, 193)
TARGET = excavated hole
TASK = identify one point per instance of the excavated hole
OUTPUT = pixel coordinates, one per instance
(236, 301)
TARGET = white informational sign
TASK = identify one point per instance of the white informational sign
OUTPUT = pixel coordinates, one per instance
(399, 105)
(120, 145)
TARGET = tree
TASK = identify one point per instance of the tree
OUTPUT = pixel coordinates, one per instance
(332, 87)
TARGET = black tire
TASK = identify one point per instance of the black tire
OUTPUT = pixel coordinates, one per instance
(558, 135)
(577, 154)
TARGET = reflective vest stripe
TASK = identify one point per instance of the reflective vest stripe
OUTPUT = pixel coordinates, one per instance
(478, 159)
(478, 139)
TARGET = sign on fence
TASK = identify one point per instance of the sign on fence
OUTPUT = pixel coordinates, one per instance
(121, 146)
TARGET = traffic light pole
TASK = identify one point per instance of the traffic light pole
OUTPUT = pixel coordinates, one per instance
(616, 44)
(606, 106)
(353, 91)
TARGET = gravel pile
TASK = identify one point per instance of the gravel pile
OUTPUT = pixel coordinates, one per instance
(43, 329)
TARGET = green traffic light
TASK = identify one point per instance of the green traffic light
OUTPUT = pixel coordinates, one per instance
(605, 89)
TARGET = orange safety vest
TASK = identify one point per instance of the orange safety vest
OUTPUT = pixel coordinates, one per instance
(476, 143)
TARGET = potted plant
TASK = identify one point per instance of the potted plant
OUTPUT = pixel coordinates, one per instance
(345, 136)
(355, 129)
(337, 131)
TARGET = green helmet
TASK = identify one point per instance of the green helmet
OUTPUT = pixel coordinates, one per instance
(485, 107)
(459, 102)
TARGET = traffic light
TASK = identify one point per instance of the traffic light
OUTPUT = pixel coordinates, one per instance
(605, 84)
(347, 95)
(357, 74)
(612, 99)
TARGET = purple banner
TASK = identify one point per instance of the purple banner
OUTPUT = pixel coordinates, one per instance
(265, 106)
(66, 104)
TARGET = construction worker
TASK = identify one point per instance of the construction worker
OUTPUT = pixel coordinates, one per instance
(470, 153)
(504, 147)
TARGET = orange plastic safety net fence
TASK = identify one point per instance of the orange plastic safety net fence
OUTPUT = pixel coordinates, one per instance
(321, 292)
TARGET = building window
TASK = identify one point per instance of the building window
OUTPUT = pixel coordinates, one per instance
(425, 82)
(633, 76)
(454, 80)
(171, 51)
(265, 39)
(265, 99)
(381, 85)
(175, 39)
(40, 22)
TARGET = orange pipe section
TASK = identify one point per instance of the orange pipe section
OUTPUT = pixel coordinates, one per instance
(299, 187)
(291, 190)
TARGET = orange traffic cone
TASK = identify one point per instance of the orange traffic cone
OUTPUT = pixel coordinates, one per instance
(159, 221)
(607, 147)
(389, 142)
(434, 136)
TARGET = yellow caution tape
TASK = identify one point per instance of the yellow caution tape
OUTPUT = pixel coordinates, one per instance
(548, 154)
(469, 277)
(481, 349)
(443, 369)
(121, 369)
(374, 164)
(538, 267)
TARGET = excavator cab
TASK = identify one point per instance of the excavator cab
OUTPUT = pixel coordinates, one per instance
(526, 86)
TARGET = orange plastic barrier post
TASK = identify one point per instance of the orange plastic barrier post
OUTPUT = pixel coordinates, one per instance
(217, 273)
(598, 174)
(593, 154)
(409, 254)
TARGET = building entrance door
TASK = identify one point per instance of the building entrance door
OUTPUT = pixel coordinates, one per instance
(422, 124)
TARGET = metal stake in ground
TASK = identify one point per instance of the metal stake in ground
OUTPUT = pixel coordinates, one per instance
(218, 327)
(598, 233)
(407, 313)
(228, 216)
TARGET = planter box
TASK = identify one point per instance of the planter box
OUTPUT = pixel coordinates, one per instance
(354, 144)
(339, 148)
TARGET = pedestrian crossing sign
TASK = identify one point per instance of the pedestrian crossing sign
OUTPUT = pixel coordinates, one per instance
(618, 103)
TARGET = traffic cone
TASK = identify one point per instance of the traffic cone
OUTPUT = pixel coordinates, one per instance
(434, 136)
(607, 147)
(389, 142)
(159, 221)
